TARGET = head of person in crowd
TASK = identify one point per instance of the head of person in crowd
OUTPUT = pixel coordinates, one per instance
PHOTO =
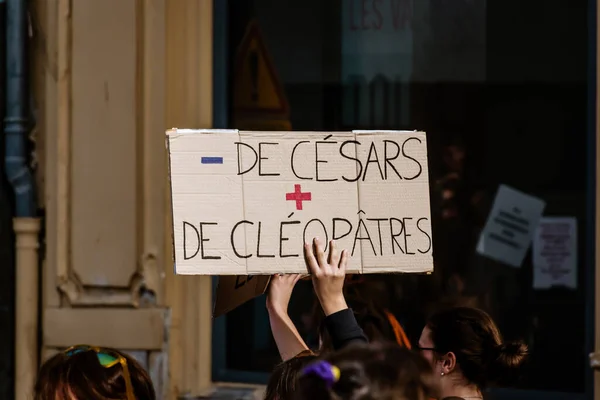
(377, 324)
(382, 371)
(467, 353)
(282, 382)
(92, 373)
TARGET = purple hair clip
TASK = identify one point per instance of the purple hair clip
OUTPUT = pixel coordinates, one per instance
(324, 370)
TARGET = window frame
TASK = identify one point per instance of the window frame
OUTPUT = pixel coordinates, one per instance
(221, 90)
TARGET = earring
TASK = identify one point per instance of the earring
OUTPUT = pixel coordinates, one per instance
(442, 374)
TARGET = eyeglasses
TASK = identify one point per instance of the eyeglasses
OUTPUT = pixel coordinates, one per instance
(425, 348)
(107, 359)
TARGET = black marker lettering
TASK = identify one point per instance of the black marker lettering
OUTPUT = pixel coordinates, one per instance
(406, 234)
(395, 235)
(239, 284)
(317, 162)
(356, 236)
(202, 240)
(185, 257)
(233, 242)
(379, 232)
(292, 160)
(282, 239)
(372, 151)
(239, 155)
(324, 230)
(358, 163)
(260, 158)
(426, 234)
(388, 159)
(410, 158)
(333, 235)
(258, 245)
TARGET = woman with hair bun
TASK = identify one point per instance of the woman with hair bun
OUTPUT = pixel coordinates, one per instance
(467, 353)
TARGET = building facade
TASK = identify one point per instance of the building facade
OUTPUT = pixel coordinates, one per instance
(107, 79)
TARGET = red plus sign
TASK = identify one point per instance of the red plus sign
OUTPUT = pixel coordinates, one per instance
(298, 196)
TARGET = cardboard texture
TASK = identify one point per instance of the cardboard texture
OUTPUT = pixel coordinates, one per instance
(233, 291)
(244, 203)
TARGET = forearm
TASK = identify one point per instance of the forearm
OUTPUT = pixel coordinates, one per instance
(288, 339)
(343, 329)
(333, 305)
(341, 322)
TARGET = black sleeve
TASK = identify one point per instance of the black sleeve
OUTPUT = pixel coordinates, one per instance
(344, 329)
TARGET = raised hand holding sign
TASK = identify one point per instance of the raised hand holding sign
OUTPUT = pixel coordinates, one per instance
(246, 202)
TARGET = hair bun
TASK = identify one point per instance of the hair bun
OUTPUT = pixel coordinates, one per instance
(505, 366)
(510, 356)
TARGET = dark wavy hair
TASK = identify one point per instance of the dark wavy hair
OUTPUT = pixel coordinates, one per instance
(481, 354)
(81, 376)
(377, 371)
(282, 381)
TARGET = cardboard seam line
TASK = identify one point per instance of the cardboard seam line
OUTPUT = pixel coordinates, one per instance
(239, 136)
(362, 264)
(241, 161)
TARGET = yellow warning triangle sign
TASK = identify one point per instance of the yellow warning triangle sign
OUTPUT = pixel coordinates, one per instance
(257, 88)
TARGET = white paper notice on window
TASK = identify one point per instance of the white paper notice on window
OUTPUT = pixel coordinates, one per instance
(555, 253)
(510, 226)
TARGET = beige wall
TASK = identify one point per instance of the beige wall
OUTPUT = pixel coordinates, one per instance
(105, 94)
(189, 104)
(109, 76)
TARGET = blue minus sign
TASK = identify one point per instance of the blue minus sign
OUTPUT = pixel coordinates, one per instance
(211, 160)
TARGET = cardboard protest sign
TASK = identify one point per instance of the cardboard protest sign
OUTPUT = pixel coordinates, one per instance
(244, 203)
(233, 291)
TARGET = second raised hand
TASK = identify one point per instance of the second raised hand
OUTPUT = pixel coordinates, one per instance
(328, 274)
(280, 292)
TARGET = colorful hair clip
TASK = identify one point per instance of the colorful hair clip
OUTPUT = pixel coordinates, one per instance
(324, 370)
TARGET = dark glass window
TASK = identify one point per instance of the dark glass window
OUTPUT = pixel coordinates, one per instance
(501, 88)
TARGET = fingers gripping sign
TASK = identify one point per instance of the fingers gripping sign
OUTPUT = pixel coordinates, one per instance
(328, 274)
(332, 264)
(280, 291)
